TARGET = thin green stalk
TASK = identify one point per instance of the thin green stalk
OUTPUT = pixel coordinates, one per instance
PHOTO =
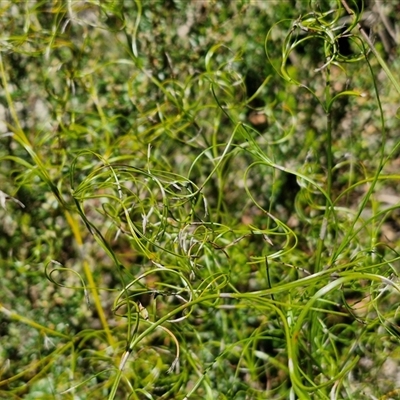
(329, 169)
(27, 321)
(89, 276)
(367, 39)
(43, 365)
(22, 139)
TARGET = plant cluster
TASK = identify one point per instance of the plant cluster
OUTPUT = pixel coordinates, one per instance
(199, 200)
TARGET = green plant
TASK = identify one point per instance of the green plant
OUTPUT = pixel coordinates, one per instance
(185, 218)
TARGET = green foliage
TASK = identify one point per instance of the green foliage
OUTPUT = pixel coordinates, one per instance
(198, 201)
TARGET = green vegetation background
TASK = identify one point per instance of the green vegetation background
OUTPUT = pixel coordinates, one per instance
(199, 199)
